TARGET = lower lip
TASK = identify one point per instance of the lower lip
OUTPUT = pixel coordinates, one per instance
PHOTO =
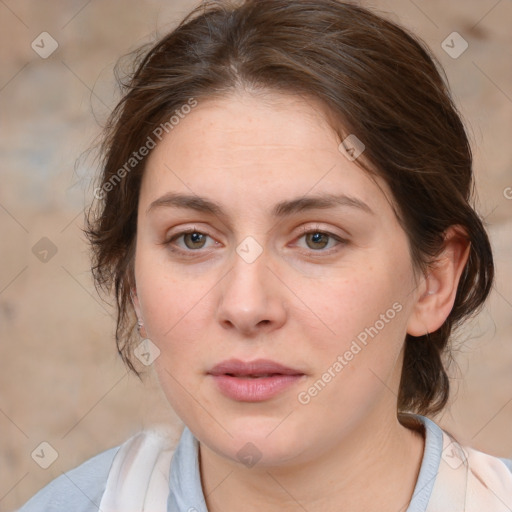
(254, 390)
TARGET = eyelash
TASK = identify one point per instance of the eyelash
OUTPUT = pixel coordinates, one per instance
(304, 231)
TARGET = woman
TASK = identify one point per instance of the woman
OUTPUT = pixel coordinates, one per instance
(285, 216)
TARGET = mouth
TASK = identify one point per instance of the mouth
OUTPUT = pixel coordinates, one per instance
(253, 381)
(252, 369)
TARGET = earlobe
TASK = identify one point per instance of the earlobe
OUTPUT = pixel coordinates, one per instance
(439, 287)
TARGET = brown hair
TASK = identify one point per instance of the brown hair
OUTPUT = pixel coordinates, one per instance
(374, 79)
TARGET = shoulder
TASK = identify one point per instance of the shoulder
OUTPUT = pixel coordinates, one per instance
(79, 489)
(491, 465)
(451, 474)
(440, 444)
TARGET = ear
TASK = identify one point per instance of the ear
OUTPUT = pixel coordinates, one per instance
(437, 291)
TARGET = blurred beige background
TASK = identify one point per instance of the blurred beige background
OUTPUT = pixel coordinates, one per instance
(61, 381)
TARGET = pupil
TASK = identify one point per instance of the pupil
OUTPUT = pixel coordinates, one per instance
(317, 238)
(195, 237)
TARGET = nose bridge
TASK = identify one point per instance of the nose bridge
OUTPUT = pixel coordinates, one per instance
(249, 297)
(248, 278)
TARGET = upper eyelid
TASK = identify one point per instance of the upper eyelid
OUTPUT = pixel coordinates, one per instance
(303, 230)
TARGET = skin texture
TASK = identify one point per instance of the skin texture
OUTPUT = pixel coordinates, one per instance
(301, 303)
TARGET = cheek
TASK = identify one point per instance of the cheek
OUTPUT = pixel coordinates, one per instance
(369, 299)
(173, 308)
(165, 293)
(174, 317)
(358, 358)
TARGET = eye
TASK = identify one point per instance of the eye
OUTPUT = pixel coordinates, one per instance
(192, 238)
(317, 240)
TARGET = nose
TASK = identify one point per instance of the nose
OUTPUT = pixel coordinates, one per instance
(252, 299)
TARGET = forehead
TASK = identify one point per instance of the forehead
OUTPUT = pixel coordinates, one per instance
(255, 149)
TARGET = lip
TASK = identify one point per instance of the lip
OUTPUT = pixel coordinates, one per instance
(256, 367)
(233, 379)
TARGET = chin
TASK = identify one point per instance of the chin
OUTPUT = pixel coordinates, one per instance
(257, 441)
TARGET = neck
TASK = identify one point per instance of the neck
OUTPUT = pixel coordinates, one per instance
(377, 466)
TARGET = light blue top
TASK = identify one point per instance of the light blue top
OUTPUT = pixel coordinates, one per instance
(81, 489)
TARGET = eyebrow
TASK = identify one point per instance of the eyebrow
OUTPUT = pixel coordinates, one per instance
(281, 209)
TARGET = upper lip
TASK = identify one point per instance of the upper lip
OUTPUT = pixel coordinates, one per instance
(256, 367)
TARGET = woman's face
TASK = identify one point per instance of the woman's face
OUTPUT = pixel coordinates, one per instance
(325, 289)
